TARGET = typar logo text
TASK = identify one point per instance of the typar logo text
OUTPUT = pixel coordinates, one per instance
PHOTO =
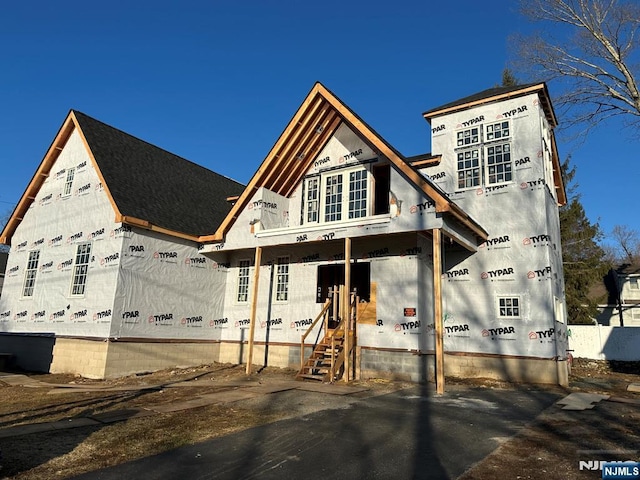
(539, 240)
(499, 274)
(542, 335)
(499, 333)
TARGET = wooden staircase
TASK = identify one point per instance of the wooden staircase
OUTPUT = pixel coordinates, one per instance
(332, 358)
(327, 357)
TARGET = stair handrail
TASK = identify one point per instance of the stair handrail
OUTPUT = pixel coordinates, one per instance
(322, 313)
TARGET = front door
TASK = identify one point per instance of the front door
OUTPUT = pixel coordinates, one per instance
(330, 276)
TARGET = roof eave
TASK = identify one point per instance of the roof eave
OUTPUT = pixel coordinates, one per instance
(538, 87)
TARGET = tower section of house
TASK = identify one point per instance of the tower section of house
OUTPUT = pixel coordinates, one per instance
(500, 163)
(104, 274)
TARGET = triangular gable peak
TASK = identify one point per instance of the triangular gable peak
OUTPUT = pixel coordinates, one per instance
(321, 117)
(172, 187)
(69, 125)
(41, 174)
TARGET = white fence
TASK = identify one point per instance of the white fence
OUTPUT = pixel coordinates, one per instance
(601, 342)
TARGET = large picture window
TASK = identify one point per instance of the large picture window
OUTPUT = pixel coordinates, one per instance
(30, 273)
(80, 269)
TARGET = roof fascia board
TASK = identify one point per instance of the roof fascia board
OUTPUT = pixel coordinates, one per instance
(382, 147)
(146, 225)
(443, 204)
(503, 96)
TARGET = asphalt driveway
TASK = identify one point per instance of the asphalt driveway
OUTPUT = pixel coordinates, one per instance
(410, 433)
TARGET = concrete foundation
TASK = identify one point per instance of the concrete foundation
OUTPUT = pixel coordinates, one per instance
(107, 359)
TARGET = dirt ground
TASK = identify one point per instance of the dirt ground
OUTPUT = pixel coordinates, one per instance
(550, 448)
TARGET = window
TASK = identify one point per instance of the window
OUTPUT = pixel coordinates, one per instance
(312, 201)
(633, 283)
(358, 194)
(469, 137)
(508, 307)
(282, 279)
(30, 273)
(490, 162)
(346, 196)
(468, 169)
(333, 199)
(635, 313)
(242, 295)
(80, 269)
(496, 131)
(499, 164)
(68, 184)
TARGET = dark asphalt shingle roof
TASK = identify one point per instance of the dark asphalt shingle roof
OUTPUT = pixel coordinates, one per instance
(490, 92)
(151, 184)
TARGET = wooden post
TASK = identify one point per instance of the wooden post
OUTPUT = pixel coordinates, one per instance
(254, 307)
(437, 309)
(347, 307)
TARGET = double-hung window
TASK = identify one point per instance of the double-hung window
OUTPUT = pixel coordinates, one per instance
(80, 269)
(336, 196)
(30, 273)
(469, 168)
(498, 160)
(312, 200)
(634, 283)
(242, 293)
(282, 279)
(68, 184)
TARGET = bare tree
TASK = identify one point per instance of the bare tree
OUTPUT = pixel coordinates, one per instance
(627, 242)
(592, 51)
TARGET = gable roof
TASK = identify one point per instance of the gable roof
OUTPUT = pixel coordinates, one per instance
(313, 124)
(496, 94)
(146, 185)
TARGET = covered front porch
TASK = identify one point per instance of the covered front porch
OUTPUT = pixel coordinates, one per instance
(344, 299)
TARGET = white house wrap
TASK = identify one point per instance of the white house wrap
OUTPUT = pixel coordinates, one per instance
(169, 279)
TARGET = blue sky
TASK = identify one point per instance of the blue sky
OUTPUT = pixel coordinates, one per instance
(216, 82)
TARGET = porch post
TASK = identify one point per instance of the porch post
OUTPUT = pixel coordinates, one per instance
(347, 306)
(254, 306)
(437, 308)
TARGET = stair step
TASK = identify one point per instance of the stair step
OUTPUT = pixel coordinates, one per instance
(310, 376)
